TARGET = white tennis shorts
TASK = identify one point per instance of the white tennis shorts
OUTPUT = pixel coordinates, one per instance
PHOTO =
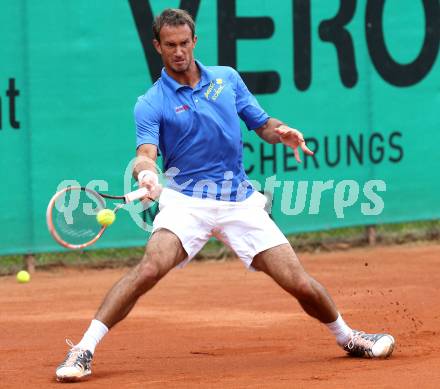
(244, 226)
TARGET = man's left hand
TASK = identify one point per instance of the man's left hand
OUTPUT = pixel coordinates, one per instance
(293, 139)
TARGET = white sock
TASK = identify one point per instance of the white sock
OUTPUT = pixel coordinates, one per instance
(93, 336)
(340, 330)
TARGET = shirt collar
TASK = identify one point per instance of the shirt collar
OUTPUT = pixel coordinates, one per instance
(206, 77)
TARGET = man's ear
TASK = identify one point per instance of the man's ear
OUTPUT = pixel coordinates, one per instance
(195, 40)
(156, 45)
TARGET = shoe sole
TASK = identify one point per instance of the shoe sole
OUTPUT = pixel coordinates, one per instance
(73, 379)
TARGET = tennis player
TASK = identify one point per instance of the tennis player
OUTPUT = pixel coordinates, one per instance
(192, 115)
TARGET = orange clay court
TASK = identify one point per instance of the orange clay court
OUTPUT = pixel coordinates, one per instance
(217, 325)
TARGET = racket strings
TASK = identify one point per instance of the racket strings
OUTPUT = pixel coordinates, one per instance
(74, 231)
(74, 216)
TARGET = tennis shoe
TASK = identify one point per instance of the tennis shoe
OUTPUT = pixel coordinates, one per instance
(370, 345)
(76, 365)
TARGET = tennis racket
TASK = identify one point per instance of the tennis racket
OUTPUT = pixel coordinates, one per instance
(71, 214)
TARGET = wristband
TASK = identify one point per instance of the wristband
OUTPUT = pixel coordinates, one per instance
(148, 174)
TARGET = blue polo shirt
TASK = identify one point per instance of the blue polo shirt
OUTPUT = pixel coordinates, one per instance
(198, 131)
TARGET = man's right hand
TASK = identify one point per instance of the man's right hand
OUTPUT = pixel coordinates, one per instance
(149, 180)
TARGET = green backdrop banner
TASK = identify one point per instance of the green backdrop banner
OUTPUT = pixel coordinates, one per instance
(360, 78)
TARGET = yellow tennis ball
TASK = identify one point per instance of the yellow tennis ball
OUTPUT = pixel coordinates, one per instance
(23, 276)
(105, 217)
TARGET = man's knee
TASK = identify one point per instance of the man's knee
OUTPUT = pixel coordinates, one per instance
(147, 274)
(302, 288)
(150, 272)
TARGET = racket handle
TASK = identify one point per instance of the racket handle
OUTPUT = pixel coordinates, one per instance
(136, 195)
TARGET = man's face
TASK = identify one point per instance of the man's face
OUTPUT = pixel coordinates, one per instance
(176, 47)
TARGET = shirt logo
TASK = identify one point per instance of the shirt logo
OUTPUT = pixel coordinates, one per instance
(181, 108)
(209, 90)
(216, 88)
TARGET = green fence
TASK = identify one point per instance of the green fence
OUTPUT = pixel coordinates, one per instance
(360, 78)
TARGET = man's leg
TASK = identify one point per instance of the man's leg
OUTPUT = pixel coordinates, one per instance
(163, 252)
(283, 266)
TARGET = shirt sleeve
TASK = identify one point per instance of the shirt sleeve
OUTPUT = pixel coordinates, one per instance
(247, 106)
(147, 119)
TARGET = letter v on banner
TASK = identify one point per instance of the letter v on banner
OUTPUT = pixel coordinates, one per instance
(143, 17)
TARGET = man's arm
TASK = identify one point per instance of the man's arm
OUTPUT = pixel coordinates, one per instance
(145, 171)
(267, 131)
(275, 131)
(146, 156)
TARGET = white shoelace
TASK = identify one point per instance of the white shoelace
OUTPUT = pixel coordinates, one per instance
(358, 340)
(74, 353)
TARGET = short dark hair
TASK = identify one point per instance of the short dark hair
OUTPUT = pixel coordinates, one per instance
(172, 17)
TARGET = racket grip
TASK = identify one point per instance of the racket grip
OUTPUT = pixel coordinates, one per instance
(136, 195)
